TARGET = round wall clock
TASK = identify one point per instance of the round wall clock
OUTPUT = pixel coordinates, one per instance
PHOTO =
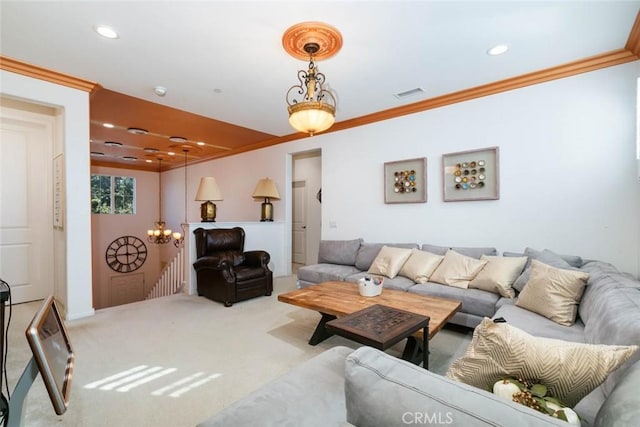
(126, 254)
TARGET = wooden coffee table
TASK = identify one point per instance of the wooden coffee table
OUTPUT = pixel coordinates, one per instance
(338, 299)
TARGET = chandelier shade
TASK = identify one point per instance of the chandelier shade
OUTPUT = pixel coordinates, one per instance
(311, 117)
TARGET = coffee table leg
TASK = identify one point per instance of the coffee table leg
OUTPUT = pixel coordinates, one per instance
(425, 347)
(416, 351)
(321, 333)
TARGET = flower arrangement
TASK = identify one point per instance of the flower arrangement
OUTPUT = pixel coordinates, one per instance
(535, 396)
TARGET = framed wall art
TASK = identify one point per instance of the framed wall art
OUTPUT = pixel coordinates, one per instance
(405, 181)
(471, 175)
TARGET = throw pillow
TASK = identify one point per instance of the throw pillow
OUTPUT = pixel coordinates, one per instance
(553, 292)
(457, 270)
(389, 261)
(571, 370)
(546, 256)
(499, 274)
(420, 266)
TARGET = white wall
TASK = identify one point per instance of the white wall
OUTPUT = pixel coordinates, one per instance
(76, 241)
(567, 172)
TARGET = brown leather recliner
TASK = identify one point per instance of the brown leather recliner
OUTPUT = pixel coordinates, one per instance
(226, 273)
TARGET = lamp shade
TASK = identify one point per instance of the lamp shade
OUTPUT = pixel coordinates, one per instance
(266, 188)
(208, 189)
(311, 117)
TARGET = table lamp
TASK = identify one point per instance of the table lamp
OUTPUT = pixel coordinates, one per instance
(208, 192)
(267, 189)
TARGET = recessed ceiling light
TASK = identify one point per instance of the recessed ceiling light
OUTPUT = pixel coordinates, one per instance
(149, 161)
(160, 90)
(130, 158)
(97, 153)
(151, 150)
(498, 50)
(177, 139)
(199, 143)
(106, 32)
(138, 131)
(113, 144)
(108, 125)
(171, 153)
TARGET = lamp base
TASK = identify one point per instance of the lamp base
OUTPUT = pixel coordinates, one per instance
(208, 211)
(266, 212)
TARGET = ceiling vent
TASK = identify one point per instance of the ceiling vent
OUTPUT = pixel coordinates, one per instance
(410, 92)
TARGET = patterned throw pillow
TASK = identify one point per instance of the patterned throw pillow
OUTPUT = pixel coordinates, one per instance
(571, 370)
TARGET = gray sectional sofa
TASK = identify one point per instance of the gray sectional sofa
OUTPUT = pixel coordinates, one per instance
(349, 260)
(367, 387)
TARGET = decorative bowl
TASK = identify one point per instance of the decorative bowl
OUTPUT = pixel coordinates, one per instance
(370, 286)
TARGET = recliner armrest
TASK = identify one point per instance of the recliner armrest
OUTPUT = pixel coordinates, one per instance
(257, 259)
(213, 262)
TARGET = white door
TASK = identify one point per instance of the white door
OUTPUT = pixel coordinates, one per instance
(299, 229)
(26, 223)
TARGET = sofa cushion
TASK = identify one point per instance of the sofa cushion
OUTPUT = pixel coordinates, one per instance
(553, 292)
(319, 273)
(615, 319)
(466, 251)
(278, 403)
(420, 265)
(621, 408)
(570, 370)
(546, 256)
(499, 274)
(383, 391)
(399, 283)
(341, 252)
(539, 326)
(474, 301)
(457, 270)
(368, 252)
(389, 261)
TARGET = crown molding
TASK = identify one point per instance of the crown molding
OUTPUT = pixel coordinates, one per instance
(19, 67)
(633, 42)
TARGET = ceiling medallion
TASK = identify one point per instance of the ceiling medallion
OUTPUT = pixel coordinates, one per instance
(312, 108)
(328, 39)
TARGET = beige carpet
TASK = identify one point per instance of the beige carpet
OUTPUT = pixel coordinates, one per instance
(175, 361)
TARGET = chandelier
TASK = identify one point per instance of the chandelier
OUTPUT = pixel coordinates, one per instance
(159, 235)
(312, 108)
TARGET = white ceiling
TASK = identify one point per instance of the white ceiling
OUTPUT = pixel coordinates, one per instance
(224, 59)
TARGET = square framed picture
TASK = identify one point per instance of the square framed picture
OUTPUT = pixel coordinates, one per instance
(405, 181)
(471, 175)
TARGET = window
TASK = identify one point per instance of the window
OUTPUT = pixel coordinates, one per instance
(113, 194)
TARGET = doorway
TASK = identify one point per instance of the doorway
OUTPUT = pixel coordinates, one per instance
(306, 208)
(26, 200)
